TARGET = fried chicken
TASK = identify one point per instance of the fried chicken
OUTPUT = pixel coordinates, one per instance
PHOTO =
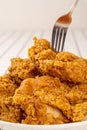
(50, 93)
(45, 88)
(37, 97)
(64, 65)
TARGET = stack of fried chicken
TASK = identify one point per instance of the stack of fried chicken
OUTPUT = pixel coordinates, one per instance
(45, 88)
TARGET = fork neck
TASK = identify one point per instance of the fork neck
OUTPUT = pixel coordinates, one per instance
(74, 6)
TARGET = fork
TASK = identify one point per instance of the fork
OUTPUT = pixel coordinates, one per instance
(60, 30)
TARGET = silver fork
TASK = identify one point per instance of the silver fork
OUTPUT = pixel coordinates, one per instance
(60, 30)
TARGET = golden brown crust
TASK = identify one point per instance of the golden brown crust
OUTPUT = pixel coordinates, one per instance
(74, 71)
(39, 46)
(9, 111)
(7, 86)
(21, 69)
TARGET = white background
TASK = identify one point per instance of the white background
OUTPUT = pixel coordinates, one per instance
(39, 14)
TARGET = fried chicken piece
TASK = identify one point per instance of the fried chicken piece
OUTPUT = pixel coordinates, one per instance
(33, 96)
(49, 91)
(64, 65)
(10, 112)
(7, 86)
(21, 69)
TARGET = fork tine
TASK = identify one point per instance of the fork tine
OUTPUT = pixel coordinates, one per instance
(65, 32)
(57, 36)
(53, 36)
(60, 38)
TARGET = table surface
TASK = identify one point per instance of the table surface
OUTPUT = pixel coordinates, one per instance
(16, 44)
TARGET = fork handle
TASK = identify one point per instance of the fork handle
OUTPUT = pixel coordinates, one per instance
(75, 4)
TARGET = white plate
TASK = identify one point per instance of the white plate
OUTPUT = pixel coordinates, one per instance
(70, 126)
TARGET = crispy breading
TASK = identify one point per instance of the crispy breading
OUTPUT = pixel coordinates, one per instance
(10, 112)
(39, 46)
(7, 86)
(77, 94)
(21, 69)
(73, 71)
